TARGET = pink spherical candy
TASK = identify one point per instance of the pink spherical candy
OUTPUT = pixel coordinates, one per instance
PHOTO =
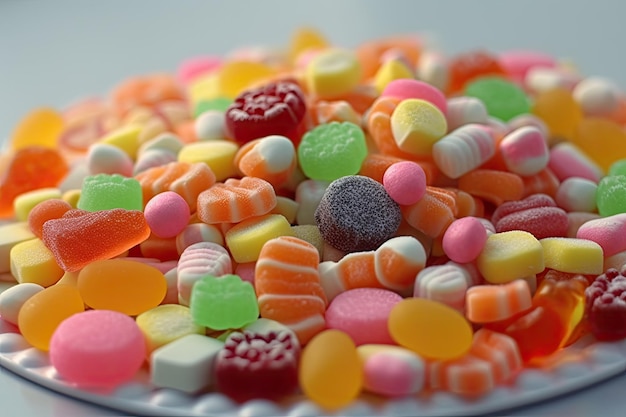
(464, 239)
(98, 348)
(525, 151)
(577, 194)
(568, 160)
(192, 68)
(608, 232)
(363, 313)
(405, 88)
(405, 182)
(167, 214)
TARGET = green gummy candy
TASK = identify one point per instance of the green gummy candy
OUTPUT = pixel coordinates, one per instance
(332, 150)
(219, 104)
(222, 303)
(105, 192)
(503, 99)
(611, 195)
(618, 168)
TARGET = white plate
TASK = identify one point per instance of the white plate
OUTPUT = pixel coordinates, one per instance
(576, 367)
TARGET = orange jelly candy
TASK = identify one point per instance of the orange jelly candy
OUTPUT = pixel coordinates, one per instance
(30, 168)
(80, 237)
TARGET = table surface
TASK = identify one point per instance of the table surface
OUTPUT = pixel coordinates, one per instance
(55, 52)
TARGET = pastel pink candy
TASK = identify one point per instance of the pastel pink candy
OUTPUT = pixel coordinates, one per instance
(392, 371)
(536, 214)
(405, 88)
(525, 151)
(567, 160)
(464, 239)
(97, 348)
(517, 63)
(192, 68)
(245, 271)
(608, 232)
(363, 313)
(167, 214)
(405, 182)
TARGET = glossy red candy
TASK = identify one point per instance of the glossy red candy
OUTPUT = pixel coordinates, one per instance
(274, 109)
(605, 305)
(258, 366)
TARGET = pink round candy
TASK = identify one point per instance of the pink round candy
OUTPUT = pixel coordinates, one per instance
(363, 313)
(464, 239)
(405, 88)
(167, 214)
(392, 371)
(405, 182)
(98, 348)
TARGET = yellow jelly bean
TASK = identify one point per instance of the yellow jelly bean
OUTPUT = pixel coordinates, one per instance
(333, 73)
(236, 76)
(416, 126)
(165, 323)
(10, 235)
(430, 328)
(129, 287)
(42, 313)
(245, 239)
(40, 127)
(24, 203)
(217, 154)
(576, 256)
(126, 138)
(559, 111)
(330, 370)
(32, 261)
(391, 70)
(306, 39)
(602, 140)
(510, 255)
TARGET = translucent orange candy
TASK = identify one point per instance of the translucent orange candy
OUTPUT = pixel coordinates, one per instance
(469, 66)
(30, 168)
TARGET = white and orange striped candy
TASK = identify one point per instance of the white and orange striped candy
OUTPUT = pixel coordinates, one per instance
(489, 303)
(288, 288)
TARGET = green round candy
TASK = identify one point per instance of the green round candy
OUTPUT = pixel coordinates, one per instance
(222, 303)
(503, 99)
(219, 104)
(618, 168)
(611, 195)
(332, 150)
(105, 192)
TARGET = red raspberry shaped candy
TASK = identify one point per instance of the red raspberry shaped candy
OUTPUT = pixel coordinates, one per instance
(606, 305)
(274, 109)
(253, 365)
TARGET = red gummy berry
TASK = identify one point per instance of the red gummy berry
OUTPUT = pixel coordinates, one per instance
(253, 365)
(536, 214)
(605, 305)
(274, 109)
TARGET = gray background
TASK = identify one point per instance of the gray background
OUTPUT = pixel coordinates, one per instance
(53, 52)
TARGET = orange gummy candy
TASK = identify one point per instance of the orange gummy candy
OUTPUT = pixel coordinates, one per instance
(80, 237)
(469, 66)
(29, 169)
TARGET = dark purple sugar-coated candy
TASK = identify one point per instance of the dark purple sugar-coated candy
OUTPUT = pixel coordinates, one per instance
(605, 305)
(356, 214)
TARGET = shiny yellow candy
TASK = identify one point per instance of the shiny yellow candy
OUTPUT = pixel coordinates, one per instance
(40, 127)
(416, 126)
(389, 71)
(236, 76)
(333, 73)
(32, 261)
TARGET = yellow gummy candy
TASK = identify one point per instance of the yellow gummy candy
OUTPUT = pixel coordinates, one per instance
(217, 154)
(40, 127)
(330, 370)
(236, 76)
(576, 256)
(389, 71)
(602, 140)
(32, 261)
(416, 126)
(10, 235)
(333, 73)
(430, 328)
(24, 203)
(305, 39)
(126, 138)
(246, 239)
(510, 255)
(166, 323)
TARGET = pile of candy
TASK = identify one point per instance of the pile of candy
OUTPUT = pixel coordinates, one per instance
(320, 221)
